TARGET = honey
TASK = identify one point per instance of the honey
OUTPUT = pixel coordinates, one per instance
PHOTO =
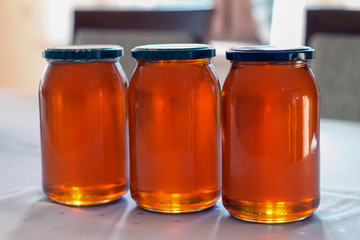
(84, 125)
(270, 134)
(174, 113)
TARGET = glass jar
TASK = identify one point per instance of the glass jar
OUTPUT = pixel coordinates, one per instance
(84, 125)
(174, 113)
(270, 132)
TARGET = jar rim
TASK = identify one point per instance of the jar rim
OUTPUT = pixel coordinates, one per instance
(173, 51)
(264, 53)
(83, 52)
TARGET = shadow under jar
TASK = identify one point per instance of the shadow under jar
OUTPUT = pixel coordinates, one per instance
(174, 113)
(270, 133)
(84, 125)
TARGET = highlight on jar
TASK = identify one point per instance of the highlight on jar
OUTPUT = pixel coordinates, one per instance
(174, 116)
(270, 135)
(84, 125)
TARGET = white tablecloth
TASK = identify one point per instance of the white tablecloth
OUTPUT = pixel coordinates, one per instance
(26, 213)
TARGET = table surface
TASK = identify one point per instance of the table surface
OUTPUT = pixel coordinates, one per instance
(26, 213)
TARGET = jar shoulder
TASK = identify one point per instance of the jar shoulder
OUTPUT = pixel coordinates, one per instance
(82, 77)
(279, 83)
(174, 77)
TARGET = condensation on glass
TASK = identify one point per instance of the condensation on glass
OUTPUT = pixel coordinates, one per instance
(174, 113)
(270, 135)
(84, 125)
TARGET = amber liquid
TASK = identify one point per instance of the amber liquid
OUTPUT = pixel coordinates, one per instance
(174, 112)
(270, 133)
(84, 137)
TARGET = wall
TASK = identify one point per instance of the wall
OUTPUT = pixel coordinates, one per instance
(22, 39)
(27, 27)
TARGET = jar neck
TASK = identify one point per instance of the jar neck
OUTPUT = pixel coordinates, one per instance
(202, 61)
(288, 64)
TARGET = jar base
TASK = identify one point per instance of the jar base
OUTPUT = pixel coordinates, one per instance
(272, 212)
(271, 221)
(81, 204)
(181, 203)
(85, 196)
(177, 209)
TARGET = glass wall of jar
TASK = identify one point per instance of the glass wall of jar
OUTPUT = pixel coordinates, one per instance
(270, 134)
(174, 113)
(84, 125)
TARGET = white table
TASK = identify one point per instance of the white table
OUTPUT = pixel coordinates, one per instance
(26, 213)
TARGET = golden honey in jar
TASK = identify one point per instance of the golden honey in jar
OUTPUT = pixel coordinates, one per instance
(174, 114)
(84, 125)
(270, 135)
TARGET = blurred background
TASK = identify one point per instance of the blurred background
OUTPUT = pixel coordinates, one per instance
(30, 26)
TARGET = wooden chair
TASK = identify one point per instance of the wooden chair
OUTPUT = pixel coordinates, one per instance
(132, 28)
(332, 21)
(335, 35)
